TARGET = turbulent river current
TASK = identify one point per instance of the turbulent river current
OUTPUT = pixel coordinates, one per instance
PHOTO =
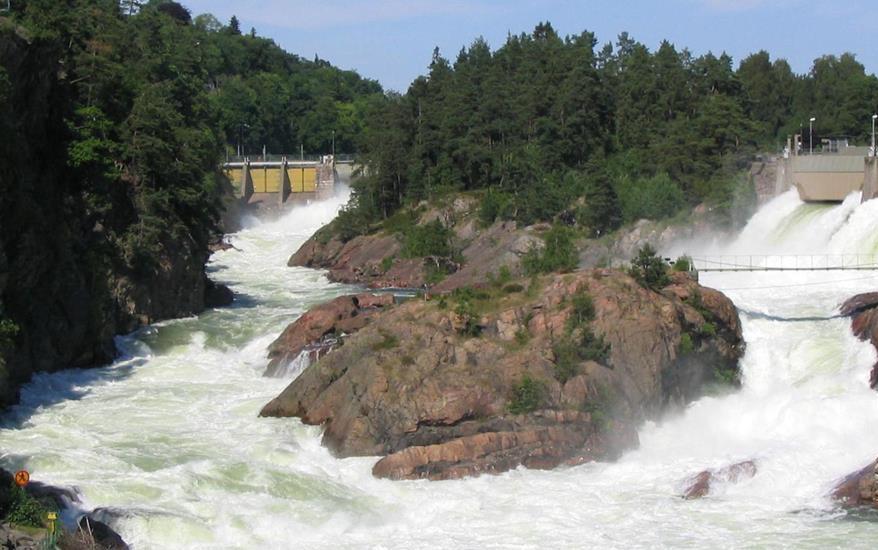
(166, 442)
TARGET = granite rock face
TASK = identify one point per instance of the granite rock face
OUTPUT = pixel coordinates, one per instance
(319, 330)
(439, 394)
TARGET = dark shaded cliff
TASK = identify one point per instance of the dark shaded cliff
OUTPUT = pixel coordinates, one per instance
(68, 282)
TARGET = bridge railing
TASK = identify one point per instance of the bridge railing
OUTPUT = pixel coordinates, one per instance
(786, 262)
(273, 158)
(339, 158)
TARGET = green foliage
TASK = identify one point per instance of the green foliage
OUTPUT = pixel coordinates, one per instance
(601, 407)
(653, 198)
(513, 288)
(430, 239)
(687, 345)
(388, 341)
(708, 329)
(579, 342)
(8, 331)
(386, 263)
(649, 269)
(566, 360)
(583, 309)
(19, 508)
(727, 377)
(558, 254)
(683, 264)
(435, 273)
(527, 396)
(467, 313)
(495, 205)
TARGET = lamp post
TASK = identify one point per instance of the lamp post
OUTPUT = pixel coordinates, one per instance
(241, 137)
(811, 136)
(873, 134)
(333, 139)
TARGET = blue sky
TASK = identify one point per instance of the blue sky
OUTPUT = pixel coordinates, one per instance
(392, 40)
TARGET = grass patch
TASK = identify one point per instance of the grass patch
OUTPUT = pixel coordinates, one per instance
(386, 263)
(388, 341)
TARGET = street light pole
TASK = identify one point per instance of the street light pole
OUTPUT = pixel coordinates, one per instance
(333, 139)
(811, 136)
(873, 134)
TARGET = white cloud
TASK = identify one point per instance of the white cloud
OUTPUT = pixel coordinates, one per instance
(311, 14)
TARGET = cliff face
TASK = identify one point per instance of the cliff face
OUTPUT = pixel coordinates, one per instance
(537, 378)
(64, 289)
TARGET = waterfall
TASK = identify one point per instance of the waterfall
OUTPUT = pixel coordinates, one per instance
(168, 438)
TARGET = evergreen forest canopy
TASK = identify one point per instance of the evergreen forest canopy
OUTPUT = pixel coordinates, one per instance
(145, 105)
(552, 128)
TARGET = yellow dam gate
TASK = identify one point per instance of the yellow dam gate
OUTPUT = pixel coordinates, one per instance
(280, 181)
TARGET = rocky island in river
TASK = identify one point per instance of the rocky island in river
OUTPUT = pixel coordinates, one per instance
(560, 368)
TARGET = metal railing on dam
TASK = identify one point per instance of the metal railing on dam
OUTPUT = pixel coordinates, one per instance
(786, 262)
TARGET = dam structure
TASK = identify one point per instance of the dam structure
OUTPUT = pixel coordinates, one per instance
(279, 180)
(829, 175)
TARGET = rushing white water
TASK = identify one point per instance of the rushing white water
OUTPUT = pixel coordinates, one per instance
(168, 438)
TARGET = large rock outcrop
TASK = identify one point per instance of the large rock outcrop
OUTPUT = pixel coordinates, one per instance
(376, 260)
(864, 323)
(465, 384)
(319, 330)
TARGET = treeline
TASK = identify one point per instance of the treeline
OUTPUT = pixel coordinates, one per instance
(554, 128)
(153, 100)
(115, 123)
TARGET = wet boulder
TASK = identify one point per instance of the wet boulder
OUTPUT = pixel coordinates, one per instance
(864, 323)
(859, 488)
(700, 484)
(318, 330)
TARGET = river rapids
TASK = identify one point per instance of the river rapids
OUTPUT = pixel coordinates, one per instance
(166, 442)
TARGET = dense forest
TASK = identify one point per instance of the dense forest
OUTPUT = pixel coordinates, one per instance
(552, 127)
(115, 121)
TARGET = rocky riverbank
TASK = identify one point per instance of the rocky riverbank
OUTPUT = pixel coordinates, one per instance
(864, 323)
(860, 488)
(559, 370)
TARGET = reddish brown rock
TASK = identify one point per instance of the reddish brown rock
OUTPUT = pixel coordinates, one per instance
(318, 329)
(864, 323)
(859, 488)
(701, 483)
(376, 261)
(436, 401)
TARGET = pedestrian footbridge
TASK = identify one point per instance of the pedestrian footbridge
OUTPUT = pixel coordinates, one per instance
(785, 262)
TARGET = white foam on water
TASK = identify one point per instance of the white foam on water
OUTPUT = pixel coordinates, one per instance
(168, 438)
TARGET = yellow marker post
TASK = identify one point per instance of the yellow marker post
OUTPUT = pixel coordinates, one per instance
(51, 516)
